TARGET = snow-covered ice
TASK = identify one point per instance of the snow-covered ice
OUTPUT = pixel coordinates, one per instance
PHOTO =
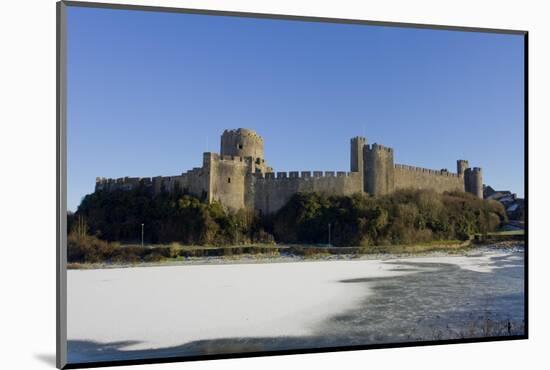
(156, 307)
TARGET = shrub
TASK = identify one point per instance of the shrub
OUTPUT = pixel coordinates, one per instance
(167, 218)
(153, 257)
(88, 249)
(122, 257)
(403, 217)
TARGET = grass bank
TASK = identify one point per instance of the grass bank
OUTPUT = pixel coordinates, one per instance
(180, 254)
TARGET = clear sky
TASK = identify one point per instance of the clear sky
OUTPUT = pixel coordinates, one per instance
(149, 92)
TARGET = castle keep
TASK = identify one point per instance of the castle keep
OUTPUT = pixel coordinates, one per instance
(239, 176)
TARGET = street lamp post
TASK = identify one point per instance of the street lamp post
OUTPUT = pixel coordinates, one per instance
(142, 235)
(329, 234)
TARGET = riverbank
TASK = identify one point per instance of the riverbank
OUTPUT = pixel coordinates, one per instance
(301, 253)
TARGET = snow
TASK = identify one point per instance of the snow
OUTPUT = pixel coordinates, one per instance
(172, 305)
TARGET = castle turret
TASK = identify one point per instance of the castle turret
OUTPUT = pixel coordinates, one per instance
(461, 166)
(242, 142)
(356, 156)
(379, 169)
(473, 181)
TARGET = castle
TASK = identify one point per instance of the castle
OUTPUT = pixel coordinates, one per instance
(239, 176)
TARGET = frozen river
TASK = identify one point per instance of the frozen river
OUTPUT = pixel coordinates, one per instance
(189, 310)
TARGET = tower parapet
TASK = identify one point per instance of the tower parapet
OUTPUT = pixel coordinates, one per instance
(242, 142)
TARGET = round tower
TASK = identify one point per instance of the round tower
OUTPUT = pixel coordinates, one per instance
(473, 181)
(379, 169)
(356, 158)
(476, 182)
(242, 142)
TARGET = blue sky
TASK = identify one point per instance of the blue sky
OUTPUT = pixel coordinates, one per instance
(149, 92)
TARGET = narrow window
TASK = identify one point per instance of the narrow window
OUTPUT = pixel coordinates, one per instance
(240, 146)
(229, 180)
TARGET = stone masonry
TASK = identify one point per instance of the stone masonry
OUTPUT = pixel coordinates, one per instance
(239, 177)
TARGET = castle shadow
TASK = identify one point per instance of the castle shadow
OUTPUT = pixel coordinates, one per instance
(82, 351)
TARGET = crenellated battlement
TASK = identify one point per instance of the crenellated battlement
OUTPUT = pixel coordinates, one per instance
(243, 132)
(377, 147)
(121, 183)
(128, 183)
(121, 180)
(303, 175)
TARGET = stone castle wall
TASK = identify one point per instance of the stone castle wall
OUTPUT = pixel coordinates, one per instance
(272, 191)
(239, 177)
(423, 178)
(193, 181)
